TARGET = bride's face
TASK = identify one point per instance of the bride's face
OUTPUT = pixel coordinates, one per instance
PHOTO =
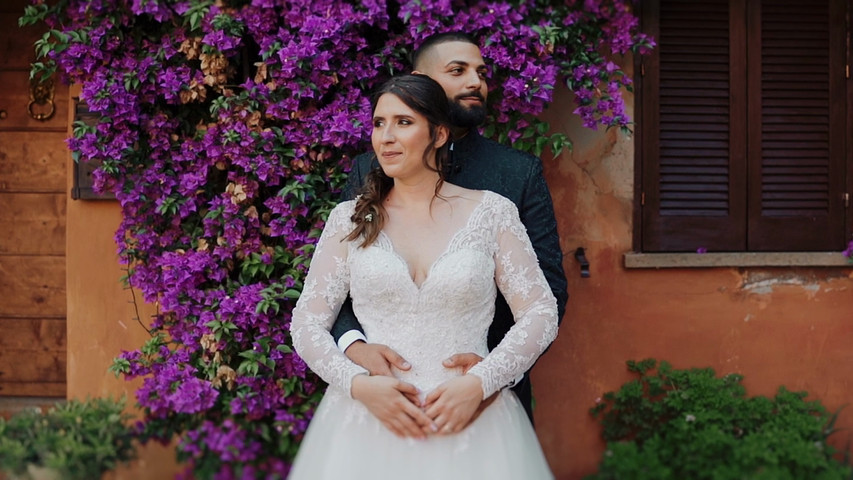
(400, 137)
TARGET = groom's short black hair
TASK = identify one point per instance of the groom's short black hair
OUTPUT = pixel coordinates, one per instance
(438, 39)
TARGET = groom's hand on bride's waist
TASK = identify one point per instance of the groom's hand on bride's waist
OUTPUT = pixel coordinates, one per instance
(462, 360)
(376, 358)
(465, 361)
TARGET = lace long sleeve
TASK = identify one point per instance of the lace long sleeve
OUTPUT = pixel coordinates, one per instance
(534, 308)
(325, 289)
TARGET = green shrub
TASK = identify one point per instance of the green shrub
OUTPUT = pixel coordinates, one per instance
(691, 424)
(77, 440)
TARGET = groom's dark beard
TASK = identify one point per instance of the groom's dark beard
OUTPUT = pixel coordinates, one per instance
(467, 117)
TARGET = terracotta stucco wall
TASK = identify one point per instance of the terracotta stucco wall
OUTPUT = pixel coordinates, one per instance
(101, 319)
(101, 322)
(781, 326)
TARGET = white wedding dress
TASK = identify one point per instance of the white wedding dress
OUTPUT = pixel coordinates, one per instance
(448, 313)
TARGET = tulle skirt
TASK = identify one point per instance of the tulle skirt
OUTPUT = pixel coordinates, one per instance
(345, 441)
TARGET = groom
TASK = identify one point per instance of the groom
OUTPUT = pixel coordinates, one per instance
(455, 62)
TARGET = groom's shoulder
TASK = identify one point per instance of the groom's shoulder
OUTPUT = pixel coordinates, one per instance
(501, 156)
(359, 168)
(363, 161)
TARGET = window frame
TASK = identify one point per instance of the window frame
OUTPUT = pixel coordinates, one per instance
(647, 68)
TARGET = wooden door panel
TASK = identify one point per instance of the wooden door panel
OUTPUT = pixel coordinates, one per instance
(32, 357)
(33, 224)
(25, 365)
(32, 389)
(16, 96)
(32, 162)
(17, 49)
(33, 201)
(32, 334)
(32, 286)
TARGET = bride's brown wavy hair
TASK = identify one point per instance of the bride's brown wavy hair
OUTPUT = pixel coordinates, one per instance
(426, 97)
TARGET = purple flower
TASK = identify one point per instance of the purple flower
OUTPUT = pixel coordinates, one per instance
(225, 164)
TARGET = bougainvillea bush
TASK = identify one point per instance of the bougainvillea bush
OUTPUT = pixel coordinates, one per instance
(226, 131)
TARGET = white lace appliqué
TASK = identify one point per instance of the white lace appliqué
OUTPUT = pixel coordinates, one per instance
(325, 289)
(450, 312)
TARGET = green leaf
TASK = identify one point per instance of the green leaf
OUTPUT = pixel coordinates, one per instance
(120, 366)
(539, 145)
(489, 131)
(558, 142)
(291, 293)
(152, 345)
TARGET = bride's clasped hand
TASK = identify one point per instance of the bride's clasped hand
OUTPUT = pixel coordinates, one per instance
(447, 409)
(405, 410)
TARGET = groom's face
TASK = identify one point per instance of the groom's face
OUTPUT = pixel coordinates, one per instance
(459, 68)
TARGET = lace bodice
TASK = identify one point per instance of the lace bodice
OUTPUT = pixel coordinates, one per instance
(448, 313)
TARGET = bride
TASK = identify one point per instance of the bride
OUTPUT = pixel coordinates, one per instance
(422, 259)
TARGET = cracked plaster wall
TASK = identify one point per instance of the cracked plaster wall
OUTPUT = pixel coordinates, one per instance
(791, 326)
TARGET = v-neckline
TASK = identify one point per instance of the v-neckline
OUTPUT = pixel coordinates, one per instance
(447, 249)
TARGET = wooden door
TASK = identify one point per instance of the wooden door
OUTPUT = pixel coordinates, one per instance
(32, 222)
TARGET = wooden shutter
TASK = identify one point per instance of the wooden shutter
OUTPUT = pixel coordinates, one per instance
(693, 123)
(797, 118)
(742, 123)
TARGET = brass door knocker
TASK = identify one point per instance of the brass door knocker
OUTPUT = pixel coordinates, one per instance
(41, 105)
